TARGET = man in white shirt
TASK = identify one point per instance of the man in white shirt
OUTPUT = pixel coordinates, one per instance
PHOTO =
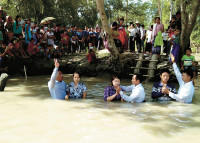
(186, 89)
(132, 32)
(138, 93)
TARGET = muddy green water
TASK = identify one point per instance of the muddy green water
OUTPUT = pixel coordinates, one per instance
(29, 115)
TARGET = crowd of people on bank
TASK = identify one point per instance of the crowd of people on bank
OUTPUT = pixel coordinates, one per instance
(27, 39)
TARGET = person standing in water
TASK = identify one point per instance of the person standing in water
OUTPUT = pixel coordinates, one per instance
(110, 93)
(158, 86)
(76, 88)
(138, 93)
(57, 87)
(186, 89)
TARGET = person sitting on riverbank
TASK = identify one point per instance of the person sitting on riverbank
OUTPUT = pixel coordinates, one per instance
(57, 87)
(7, 50)
(49, 52)
(33, 49)
(56, 52)
(110, 93)
(186, 89)
(91, 56)
(76, 88)
(188, 61)
(138, 93)
(157, 92)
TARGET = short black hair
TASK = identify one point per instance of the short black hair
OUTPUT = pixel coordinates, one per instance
(188, 49)
(77, 73)
(165, 70)
(4, 42)
(32, 39)
(178, 12)
(158, 18)
(189, 72)
(174, 16)
(114, 24)
(122, 19)
(139, 77)
(131, 23)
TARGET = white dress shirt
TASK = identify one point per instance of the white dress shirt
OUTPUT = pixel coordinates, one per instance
(137, 95)
(186, 90)
(133, 32)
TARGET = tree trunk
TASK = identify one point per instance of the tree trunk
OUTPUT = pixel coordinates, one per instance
(159, 11)
(106, 28)
(188, 20)
(126, 12)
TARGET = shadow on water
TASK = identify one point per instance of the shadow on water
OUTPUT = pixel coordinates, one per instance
(157, 118)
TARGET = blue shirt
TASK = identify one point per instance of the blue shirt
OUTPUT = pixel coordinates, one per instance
(28, 32)
(157, 91)
(76, 92)
(79, 35)
(85, 34)
(17, 30)
(56, 88)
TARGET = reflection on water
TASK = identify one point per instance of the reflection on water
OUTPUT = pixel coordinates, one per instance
(28, 114)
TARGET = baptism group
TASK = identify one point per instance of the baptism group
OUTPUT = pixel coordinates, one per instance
(162, 90)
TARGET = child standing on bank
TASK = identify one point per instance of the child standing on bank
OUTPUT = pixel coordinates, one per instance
(188, 61)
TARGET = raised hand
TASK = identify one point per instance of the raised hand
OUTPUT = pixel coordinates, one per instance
(118, 89)
(172, 58)
(56, 63)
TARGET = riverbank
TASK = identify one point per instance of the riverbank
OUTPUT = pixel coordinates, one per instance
(78, 62)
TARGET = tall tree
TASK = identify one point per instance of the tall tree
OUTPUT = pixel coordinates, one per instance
(104, 20)
(189, 12)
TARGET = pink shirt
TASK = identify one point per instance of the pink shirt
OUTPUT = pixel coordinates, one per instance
(31, 49)
(158, 27)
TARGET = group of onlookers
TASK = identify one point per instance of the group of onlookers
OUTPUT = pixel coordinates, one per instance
(26, 39)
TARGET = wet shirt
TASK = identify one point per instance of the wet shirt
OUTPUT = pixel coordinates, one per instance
(109, 91)
(186, 90)
(137, 95)
(157, 91)
(57, 89)
(76, 93)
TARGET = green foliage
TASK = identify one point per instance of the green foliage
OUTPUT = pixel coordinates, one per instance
(196, 31)
(83, 12)
(68, 12)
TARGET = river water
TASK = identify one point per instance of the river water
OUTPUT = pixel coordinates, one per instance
(29, 115)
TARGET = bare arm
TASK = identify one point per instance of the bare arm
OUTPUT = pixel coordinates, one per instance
(84, 95)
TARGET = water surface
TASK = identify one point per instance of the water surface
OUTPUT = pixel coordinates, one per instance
(29, 115)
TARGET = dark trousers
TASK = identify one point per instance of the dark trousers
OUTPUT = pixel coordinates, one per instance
(132, 44)
(138, 44)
